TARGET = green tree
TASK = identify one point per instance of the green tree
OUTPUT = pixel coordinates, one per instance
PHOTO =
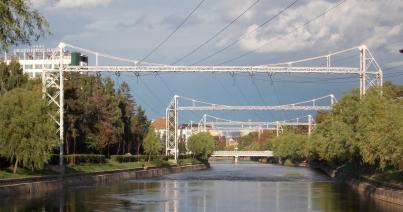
(27, 133)
(291, 145)
(366, 131)
(182, 148)
(380, 131)
(330, 141)
(139, 127)
(20, 24)
(201, 145)
(11, 76)
(151, 143)
(127, 105)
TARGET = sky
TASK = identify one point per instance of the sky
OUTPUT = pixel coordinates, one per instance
(133, 28)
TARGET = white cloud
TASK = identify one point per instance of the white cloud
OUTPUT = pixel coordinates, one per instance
(70, 3)
(352, 23)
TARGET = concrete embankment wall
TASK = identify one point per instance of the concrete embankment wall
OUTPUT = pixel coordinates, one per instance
(39, 185)
(372, 189)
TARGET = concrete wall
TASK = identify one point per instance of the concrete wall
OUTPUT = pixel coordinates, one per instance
(368, 188)
(40, 185)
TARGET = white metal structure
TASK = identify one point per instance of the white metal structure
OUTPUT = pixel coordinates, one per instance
(172, 112)
(369, 72)
(242, 154)
(208, 122)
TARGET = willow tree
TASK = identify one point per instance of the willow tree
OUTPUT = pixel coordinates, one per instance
(151, 144)
(27, 133)
(20, 24)
(201, 145)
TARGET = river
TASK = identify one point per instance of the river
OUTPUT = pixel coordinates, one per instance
(246, 186)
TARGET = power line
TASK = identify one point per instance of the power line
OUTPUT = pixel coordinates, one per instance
(173, 32)
(151, 91)
(244, 97)
(166, 85)
(216, 34)
(277, 97)
(261, 96)
(281, 37)
(243, 36)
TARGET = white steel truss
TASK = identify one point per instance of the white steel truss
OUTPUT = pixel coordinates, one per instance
(172, 112)
(369, 72)
(209, 122)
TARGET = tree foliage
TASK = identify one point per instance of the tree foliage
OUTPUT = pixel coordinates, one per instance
(11, 76)
(20, 24)
(100, 118)
(27, 133)
(367, 130)
(151, 143)
(290, 145)
(201, 145)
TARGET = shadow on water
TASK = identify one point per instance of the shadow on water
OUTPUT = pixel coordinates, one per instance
(246, 186)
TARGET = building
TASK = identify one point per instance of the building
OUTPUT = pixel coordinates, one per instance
(159, 125)
(38, 58)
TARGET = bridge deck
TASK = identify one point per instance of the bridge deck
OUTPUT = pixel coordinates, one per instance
(242, 154)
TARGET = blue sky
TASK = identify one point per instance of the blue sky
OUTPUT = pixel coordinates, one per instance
(132, 29)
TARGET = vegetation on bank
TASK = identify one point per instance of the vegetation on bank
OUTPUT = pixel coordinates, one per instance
(99, 120)
(107, 165)
(361, 135)
(201, 145)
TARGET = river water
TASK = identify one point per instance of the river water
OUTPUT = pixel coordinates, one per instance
(246, 186)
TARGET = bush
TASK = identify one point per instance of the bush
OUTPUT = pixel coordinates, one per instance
(127, 158)
(84, 158)
(288, 162)
(135, 158)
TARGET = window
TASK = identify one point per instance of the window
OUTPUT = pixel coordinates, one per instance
(38, 66)
(28, 66)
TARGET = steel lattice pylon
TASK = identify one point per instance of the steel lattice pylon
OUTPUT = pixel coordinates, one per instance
(172, 126)
(53, 91)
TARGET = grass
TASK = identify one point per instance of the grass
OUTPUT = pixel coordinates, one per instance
(7, 173)
(293, 174)
(188, 161)
(110, 165)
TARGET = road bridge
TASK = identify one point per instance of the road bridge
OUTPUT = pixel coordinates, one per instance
(236, 154)
(242, 154)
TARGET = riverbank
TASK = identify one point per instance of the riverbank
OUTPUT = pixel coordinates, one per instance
(392, 193)
(43, 185)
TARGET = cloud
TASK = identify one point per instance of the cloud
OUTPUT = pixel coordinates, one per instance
(173, 20)
(70, 3)
(352, 23)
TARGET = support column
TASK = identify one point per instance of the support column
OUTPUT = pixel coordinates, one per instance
(309, 124)
(204, 122)
(176, 127)
(362, 70)
(166, 131)
(43, 84)
(61, 106)
(277, 128)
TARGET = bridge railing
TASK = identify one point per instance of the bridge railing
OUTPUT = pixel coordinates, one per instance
(242, 153)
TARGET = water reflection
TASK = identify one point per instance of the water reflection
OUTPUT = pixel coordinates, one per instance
(226, 187)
